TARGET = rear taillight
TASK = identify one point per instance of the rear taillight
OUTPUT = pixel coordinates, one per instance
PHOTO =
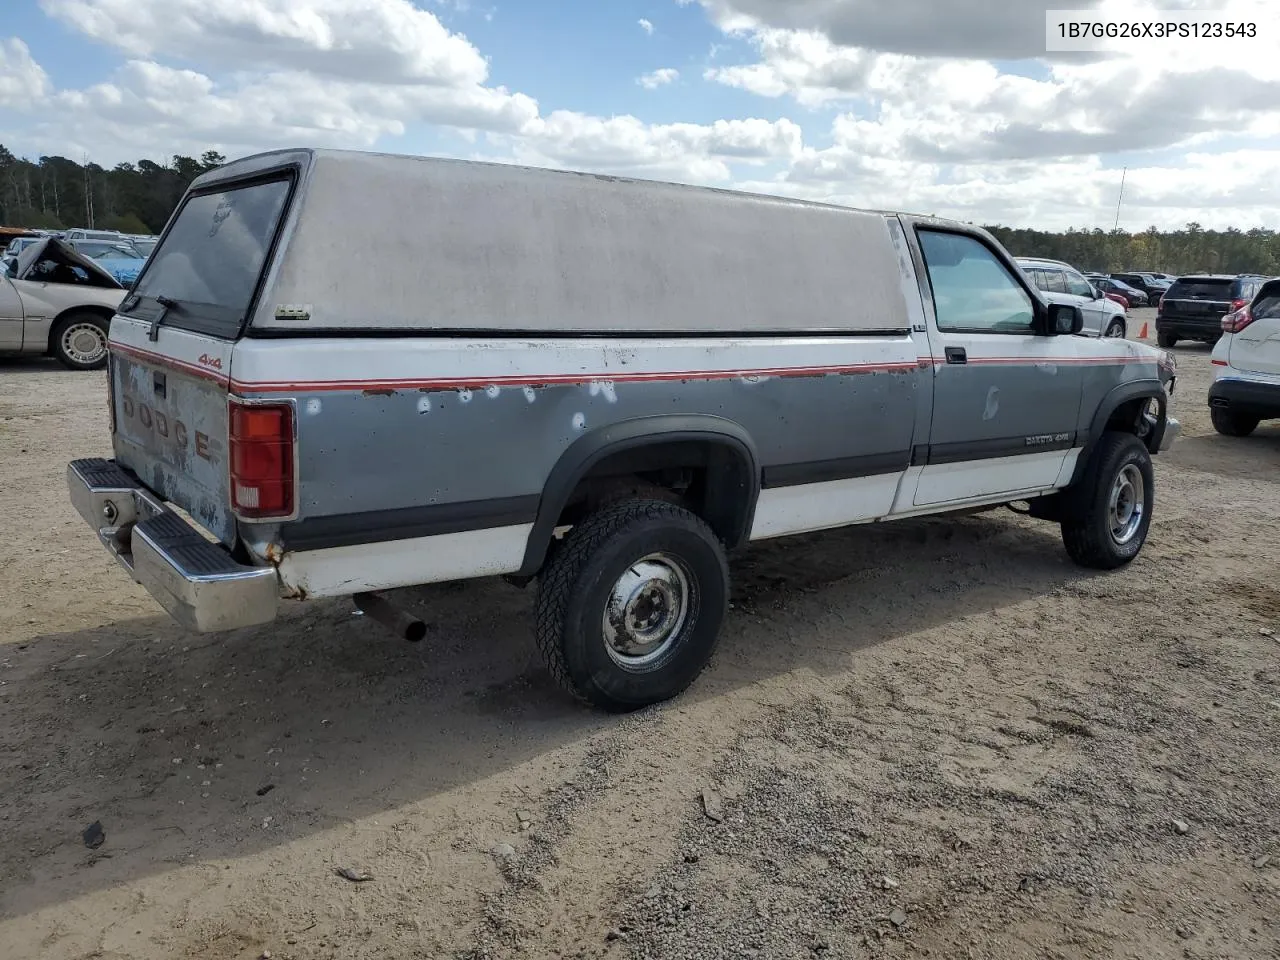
(1236, 305)
(1237, 319)
(261, 448)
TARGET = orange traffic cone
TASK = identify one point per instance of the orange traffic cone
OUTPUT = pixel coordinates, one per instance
(1142, 334)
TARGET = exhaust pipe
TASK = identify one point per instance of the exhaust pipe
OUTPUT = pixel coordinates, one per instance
(402, 624)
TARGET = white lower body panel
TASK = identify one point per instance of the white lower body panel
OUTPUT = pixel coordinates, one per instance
(342, 571)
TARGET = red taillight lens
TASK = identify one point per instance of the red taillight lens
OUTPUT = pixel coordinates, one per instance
(1237, 320)
(1237, 304)
(260, 439)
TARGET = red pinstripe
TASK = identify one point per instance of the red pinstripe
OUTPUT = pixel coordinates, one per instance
(573, 379)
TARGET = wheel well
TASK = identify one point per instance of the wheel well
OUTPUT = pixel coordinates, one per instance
(1131, 417)
(711, 479)
(102, 313)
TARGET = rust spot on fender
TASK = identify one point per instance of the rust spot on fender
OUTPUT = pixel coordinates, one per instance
(295, 593)
(275, 553)
(380, 392)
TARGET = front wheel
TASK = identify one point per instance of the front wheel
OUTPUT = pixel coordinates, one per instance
(79, 341)
(1166, 340)
(629, 607)
(1107, 524)
(1232, 424)
(1117, 328)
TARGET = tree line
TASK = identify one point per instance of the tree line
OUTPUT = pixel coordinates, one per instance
(56, 193)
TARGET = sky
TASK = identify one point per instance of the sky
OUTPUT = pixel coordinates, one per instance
(946, 107)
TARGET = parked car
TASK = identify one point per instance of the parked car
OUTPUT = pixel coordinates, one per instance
(15, 247)
(602, 383)
(1246, 365)
(1132, 297)
(120, 259)
(1195, 305)
(145, 245)
(58, 302)
(80, 233)
(1062, 283)
(1153, 288)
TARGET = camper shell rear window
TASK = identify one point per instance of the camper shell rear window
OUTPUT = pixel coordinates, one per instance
(205, 274)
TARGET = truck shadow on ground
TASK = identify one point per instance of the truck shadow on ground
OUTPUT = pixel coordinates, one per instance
(170, 739)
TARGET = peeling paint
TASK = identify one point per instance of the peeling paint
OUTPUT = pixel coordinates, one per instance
(604, 388)
(313, 407)
(579, 421)
(993, 404)
(424, 404)
(377, 392)
(464, 395)
(530, 394)
(492, 391)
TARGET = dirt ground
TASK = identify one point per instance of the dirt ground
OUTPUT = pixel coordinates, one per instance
(933, 738)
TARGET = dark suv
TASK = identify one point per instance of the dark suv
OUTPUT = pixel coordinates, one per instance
(1194, 306)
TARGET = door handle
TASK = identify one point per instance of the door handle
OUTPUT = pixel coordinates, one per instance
(956, 355)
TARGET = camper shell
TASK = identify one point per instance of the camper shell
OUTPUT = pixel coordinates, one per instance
(356, 372)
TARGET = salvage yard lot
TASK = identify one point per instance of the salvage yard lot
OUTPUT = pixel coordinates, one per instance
(932, 738)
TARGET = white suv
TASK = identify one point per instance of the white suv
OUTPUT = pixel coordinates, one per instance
(1246, 365)
(1062, 283)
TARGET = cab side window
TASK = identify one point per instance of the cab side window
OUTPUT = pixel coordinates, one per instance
(1078, 286)
(972, 290)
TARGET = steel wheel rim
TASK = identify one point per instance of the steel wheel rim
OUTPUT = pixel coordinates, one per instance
(646, 611)
(1127, 504)
(84, 343)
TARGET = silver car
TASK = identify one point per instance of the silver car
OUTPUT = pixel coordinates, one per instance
(1062, 283)
(56, 301)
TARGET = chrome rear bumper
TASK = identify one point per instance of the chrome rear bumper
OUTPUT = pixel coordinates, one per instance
(196, 581)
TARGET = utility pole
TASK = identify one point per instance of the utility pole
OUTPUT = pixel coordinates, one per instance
(88, 195)
(1120, 200)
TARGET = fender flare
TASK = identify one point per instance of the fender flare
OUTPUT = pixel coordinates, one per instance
(585, 452)
(1144, 389)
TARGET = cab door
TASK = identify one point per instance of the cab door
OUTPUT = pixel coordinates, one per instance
(10, 316)
(1006, 397)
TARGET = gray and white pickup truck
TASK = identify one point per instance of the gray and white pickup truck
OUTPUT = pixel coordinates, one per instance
(342, 373)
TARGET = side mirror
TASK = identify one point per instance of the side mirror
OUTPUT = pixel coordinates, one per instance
(1065, 319)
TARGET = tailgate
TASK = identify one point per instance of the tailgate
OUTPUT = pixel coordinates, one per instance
(169, 402)
(1256, 348)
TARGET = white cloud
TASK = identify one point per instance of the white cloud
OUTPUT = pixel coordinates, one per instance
(900, 109)
(389, 41)
(22, 80)
(658, 78)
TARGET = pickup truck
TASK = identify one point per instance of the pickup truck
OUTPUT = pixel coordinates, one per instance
(600, 384)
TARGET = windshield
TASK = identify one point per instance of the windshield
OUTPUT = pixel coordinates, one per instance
(145, 247)
(100, 249)
(213, 256)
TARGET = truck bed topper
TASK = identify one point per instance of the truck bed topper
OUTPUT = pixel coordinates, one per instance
(400, 244)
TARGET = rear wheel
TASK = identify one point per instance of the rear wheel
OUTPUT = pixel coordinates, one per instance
(1232, 424)
(1166, 340)
(1107, 522)
(79, 341)
(629, 607)
(1116, 329)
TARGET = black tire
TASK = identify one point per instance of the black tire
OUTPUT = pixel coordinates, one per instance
(1166, 340)
(67, 353)
(1087, 526)
(1232, 424)
(578, 580)
(1117, 328)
